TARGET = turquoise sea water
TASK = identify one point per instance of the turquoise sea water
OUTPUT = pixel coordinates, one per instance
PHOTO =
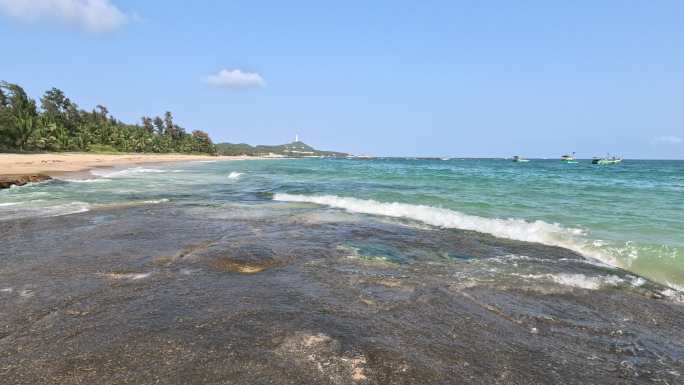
(629, 215)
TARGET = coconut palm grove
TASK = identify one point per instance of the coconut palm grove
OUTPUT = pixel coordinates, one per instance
(56, 123)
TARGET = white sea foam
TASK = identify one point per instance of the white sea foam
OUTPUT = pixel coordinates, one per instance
(580, 280)
(636, 281)
(586, 282)
(676, 287)
(65, 209)
(675, 292)
(32, 210)
(11, 205)
(517, 229)
(96, 180)
(128, 276)
(128, 172)
(234, 175)
(156, 201)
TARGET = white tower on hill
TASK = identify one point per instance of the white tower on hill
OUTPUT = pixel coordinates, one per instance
(296, 137)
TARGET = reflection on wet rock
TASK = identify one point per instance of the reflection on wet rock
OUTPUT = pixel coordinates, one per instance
(168, 295)
(244, 259)
(324, 357)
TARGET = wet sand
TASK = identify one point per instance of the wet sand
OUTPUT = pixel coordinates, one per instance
(167, 294)
(55, 164)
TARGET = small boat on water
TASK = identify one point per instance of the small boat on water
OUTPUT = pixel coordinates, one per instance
(607, 160)
(568, 158)
(520, 159)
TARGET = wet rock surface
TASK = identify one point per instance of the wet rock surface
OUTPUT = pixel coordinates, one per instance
(156, 295)
(7, 181)
(244, 259)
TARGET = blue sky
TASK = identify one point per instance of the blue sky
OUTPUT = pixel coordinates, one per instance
(432, 78)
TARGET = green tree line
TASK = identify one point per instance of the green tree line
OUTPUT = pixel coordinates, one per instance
(58, 124)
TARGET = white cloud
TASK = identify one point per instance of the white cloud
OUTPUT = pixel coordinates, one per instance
(91, 15)
(671, 139)
(235, 78)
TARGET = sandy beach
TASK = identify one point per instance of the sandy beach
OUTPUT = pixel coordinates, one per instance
(53, 164)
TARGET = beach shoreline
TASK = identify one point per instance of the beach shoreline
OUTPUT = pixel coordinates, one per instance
(58, 164)
(318, 271)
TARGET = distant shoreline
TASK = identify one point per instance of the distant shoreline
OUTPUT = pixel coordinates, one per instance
(56, 164)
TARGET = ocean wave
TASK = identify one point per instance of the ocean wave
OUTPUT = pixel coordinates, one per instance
(234, 175)
(156, 201)
(128, 276)
(551, 234)
(96, 180)
(674, 286)
(675, 293)
(65, 209)
(31, 210)
(585, 282)
(582, 281)
(128, 172)
(32, 201)
(49, 211)
(126, 204)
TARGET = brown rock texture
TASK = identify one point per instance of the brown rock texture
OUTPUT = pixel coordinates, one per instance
(8, 181)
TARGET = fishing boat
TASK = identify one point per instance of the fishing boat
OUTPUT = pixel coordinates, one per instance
(607, 160)
(568, 158)
(520, 159)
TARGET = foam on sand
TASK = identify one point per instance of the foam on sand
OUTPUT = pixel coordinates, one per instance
(551, 234)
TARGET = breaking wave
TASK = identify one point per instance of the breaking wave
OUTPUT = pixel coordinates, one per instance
(10, 204)
(551, 234)
(156, 201)
(32, 210)
(96, 180)
(128, 276)
(127, 172)
(234, 175)
(582, 281)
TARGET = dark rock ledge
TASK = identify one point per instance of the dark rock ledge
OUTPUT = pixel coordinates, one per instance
(7, 181)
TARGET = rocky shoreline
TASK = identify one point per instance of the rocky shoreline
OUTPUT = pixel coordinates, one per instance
(170, 294)
(7, 181)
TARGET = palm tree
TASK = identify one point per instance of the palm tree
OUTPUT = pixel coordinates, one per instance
(24, 126)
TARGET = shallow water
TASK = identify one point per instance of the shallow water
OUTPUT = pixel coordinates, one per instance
(185, 274)
(629, 215)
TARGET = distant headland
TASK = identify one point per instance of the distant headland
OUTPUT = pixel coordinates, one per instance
(295, 149)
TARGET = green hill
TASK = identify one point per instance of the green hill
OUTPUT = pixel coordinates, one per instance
(295, 149)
